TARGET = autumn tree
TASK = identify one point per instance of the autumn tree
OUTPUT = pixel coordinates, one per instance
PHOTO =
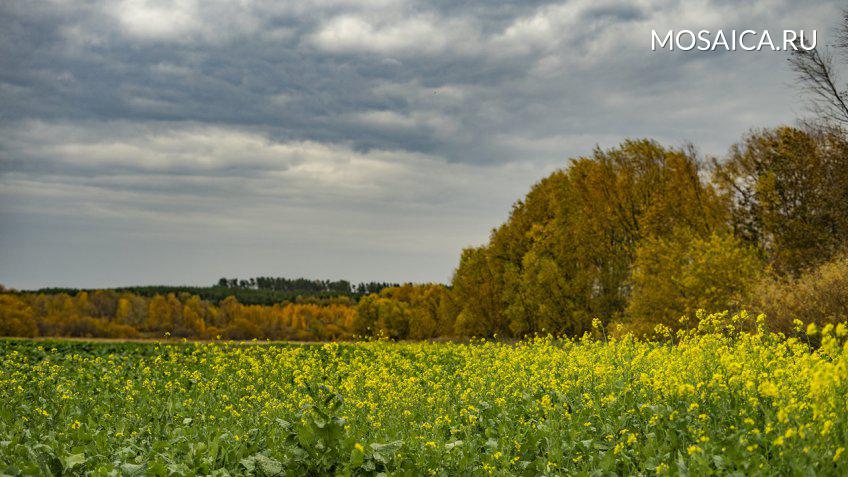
(191, 322)
(678, 274)
(479, 288)
(819, 295)
(406, 311)
(160, 314)
(566, 253)
(788, 190)
(16, 317)
(124, 311)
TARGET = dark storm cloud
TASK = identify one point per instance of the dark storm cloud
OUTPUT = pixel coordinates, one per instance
(331, 125)
(69, 63)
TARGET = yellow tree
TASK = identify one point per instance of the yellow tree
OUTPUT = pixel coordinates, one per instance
(16, 317)
(679, 274)
(566, 253)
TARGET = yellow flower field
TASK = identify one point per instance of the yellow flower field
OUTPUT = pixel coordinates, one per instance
(710, 400)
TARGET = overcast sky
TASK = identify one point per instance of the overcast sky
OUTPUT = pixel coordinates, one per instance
(175, 142)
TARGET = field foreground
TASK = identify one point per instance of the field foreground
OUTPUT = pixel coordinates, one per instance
(714, 401)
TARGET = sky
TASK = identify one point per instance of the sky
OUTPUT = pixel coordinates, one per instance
(176, 142)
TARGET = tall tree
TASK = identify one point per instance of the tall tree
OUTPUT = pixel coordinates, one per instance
(788, 190)
(566, 253)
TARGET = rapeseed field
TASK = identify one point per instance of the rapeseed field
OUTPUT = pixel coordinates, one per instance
(722, 396)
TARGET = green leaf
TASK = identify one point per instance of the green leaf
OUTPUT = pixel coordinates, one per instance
(268, 466)
(74, 460)
(453, 444)
(132, 469)
(356, 458)
(249, 463)
(388, 447)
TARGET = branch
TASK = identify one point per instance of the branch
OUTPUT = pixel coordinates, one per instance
(815, 71)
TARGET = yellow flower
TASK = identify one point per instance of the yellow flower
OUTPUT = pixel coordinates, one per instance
(768, 389)
(828, 424)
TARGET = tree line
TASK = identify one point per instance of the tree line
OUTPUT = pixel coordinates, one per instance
(640, 235)
(114, 314)
(303, 285)
(255, 291)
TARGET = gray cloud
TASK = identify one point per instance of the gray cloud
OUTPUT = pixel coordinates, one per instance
(176, 141)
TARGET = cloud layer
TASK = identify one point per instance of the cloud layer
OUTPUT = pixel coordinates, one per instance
(178, 141)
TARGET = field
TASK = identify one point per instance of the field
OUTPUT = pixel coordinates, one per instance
(709, 400)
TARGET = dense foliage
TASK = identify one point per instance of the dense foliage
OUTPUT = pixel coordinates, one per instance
(408, 311)
(641, 234)
(818, 295)
(111, 314)
(565, 255)
(789, 194)
(716, 401)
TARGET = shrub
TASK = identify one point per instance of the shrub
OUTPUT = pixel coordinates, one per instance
(819, 296)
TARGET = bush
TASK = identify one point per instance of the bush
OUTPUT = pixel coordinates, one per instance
(819, 296)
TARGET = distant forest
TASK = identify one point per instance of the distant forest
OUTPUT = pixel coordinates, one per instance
(254, 291)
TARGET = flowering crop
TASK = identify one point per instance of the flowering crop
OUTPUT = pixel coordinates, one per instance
(710, 400)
